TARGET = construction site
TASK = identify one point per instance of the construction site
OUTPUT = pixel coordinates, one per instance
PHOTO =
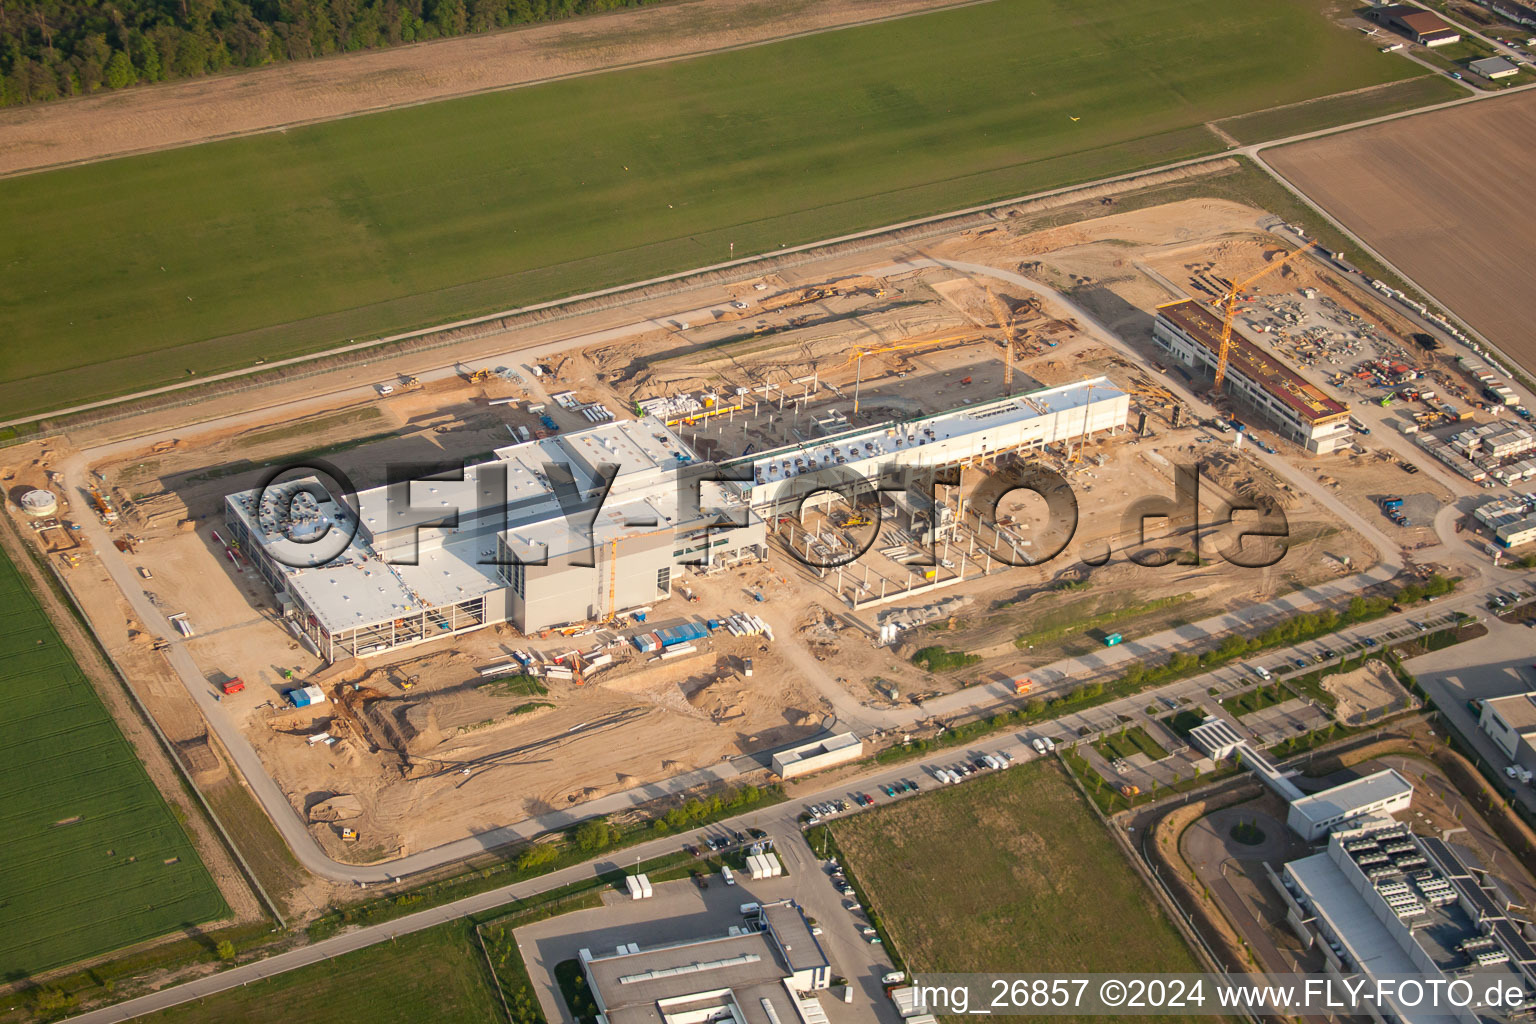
(404, 703)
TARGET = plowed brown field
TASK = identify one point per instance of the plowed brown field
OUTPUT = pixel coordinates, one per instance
(1446, 198)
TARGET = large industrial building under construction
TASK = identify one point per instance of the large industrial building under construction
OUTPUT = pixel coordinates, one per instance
(1191, 333)
(531, 538)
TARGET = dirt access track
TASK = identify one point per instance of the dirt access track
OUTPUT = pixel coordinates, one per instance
(1444, 196)
(185, 113)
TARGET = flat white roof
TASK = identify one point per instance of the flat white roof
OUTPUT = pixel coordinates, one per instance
(1517, 710)
(1350, 797)
(368, 580)
(1216, 734)
(890, 438)
(1352, 922)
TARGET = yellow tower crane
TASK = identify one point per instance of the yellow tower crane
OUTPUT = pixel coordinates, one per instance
(1228, 306)
(1004, 324)
(858, 356)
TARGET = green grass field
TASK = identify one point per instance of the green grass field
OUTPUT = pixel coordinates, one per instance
(94, 857)
(130, 273)
(1312, 115)
(438, 975)
(1134, 741)
(1039, 885)
(1256, 699)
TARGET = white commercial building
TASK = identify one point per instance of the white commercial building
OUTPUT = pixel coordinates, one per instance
(818, 754)
(764, 972)
(1511, 723)
(1385, 903)
(532, 537)
(1069, 414)
(1377, 795)
(587, 525)
(1299, 411)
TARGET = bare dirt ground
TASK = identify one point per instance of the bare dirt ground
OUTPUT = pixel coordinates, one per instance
(1365, 693)
(638, 721)
(1461, 225)
(184, 113)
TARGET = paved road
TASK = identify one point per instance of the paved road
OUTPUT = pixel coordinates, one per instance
(352, 347)
(299, 839)
(864, 719)
(781, 820)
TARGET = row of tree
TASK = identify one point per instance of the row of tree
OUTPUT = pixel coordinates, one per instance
(55, 48)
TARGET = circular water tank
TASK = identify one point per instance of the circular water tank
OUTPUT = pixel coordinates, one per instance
(39, 503)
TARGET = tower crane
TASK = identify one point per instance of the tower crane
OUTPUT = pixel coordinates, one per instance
(1228, 305)
(857, 357)
(1004, 324)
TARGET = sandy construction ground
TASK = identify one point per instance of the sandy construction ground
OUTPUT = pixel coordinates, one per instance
(1445, 197)
(184, 113)
(418, 717)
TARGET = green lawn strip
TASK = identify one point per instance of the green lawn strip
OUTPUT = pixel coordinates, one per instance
(95, 858)
(436, 975)
(1124, 742)
(1330, 111)
(1106, 795)
(1068, 620)
(1256, 699)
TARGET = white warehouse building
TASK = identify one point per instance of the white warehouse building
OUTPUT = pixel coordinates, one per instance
(423, 559)
(514, 553)
(1069, 413)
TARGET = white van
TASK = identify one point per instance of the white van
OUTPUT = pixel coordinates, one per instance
(1262, 672)
(725, 873)
(748, 909)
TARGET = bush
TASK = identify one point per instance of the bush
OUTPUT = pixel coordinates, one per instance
(536, 857)
(937, 659)
(592, 836)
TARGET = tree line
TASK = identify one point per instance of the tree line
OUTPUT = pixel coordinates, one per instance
(51, 49)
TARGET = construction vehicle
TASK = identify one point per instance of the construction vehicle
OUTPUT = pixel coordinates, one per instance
(161, 447)
(480, 376)
(348, 834)
(1128, 790)
(104, 507)
(1022, 686)
(1228, 305)
(230, 686)
(409, 380)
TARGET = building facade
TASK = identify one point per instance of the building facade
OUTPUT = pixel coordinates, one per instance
(587, 525)
(1511, 723)
(1298, 410)
(567, 529)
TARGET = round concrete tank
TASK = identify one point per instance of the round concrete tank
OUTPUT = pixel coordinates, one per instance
(39, 503)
